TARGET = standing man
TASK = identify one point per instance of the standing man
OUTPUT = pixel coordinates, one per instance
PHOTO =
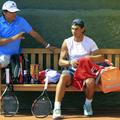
(73, 48)
(12, 28)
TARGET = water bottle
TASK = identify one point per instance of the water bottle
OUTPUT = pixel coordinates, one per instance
(25, 77)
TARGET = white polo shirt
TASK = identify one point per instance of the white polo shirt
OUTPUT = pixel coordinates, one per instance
(80, 49)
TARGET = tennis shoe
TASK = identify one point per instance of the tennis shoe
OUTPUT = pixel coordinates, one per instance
(88, 110)
(56, 114)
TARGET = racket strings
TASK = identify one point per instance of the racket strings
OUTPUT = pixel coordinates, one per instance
(42, 107)
(10, 105)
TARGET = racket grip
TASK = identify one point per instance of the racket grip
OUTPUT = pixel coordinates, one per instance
(7, 75)
(46, 83)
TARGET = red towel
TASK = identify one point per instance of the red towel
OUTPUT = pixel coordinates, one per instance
(86, 69)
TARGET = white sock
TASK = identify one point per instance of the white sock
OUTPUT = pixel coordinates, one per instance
(88, 101)
(57, 105)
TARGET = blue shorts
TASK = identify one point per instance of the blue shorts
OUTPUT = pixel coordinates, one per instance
(69, 71)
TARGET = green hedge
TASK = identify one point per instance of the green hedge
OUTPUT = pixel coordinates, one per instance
(54, 25)
(52, 19)
(67, 4)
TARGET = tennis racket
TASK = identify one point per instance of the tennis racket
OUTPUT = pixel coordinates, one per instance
(42, 106)
(10, 104)
(21, 70)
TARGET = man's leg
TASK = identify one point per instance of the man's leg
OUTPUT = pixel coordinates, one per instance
(90, 85)
(65, 79)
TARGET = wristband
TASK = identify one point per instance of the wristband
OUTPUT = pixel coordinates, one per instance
(48, 45)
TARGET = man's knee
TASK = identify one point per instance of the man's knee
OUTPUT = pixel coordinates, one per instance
(65, 79)
(4, 61)
(90, 82)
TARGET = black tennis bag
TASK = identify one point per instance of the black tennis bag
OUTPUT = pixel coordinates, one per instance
(15, 67)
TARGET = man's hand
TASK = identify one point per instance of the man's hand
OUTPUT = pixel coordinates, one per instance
(74, 63)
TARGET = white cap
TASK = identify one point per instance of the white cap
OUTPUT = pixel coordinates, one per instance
(10, 6)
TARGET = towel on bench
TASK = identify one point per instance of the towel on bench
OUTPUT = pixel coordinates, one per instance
(86, 69)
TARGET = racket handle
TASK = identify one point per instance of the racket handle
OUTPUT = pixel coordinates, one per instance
(7, 75)
(46, 83)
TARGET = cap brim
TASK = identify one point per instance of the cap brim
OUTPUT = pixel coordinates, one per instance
(13, 10)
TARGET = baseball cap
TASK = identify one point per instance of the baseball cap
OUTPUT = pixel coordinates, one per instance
(10, 6)
(78, 22)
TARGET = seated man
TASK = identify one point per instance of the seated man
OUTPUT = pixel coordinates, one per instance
(73, 48)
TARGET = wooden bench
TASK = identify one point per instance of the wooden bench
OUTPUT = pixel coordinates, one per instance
(47, 59)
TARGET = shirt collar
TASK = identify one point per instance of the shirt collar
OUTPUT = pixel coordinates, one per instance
(4, 20)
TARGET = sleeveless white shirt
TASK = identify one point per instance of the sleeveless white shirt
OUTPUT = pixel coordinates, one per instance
(80, 49)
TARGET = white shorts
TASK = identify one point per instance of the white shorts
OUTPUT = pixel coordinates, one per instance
(4, 60)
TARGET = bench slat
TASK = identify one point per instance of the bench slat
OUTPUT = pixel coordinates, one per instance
(109, 57)
(32, 58)
(40, 87)
(109, 51)
(48, 60)
(117, 61)
(40, 60)
(56, 57)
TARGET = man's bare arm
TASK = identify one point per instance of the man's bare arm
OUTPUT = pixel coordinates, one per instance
(40, 39)
(4, 41)
(96, 56)
(63, 55)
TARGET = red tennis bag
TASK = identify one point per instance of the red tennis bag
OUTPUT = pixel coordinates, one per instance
(110, 79)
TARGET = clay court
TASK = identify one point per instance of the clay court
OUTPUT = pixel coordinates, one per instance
(69, 115)
(66, 117)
